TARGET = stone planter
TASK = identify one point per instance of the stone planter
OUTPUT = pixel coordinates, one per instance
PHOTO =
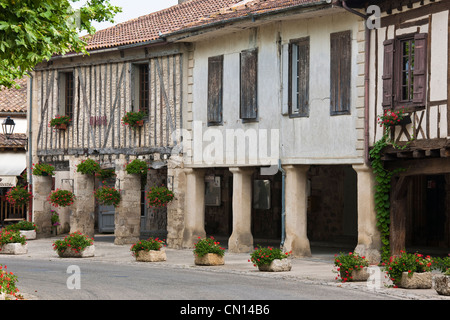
(442, 284)
(87, 252)
(418, 280)
(151, 256)
(277, 265)
(29, 234)
(14, 248)
(357, 275)
(210, 259)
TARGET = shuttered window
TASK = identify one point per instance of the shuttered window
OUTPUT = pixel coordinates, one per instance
(299, 78)
(249, 85)
(215, 90)
(340, 72)
(405, 71)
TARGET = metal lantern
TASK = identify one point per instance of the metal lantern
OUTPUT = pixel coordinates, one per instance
(8, 126)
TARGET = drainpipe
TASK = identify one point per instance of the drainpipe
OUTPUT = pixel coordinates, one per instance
(366, 80)
(30, 140)
(283, 210)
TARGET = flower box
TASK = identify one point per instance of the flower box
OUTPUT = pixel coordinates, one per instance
(209, 259)
(277, 265)
(442, 284)
(151, 256)
(14, 248)
(28, 234)
(61, 126)
(418, 280)
(89, 251)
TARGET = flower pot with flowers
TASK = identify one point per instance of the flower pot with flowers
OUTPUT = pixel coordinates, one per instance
(61, 198)
(134, 119)
(393, 118)
(159, 197)
(60, 122)
(75, 245)
(43, 169)
(149, 250)
(88, 166)
(271, 259)
(26, 228)
(442, 280)
(12, 242)
(137, 166)
(351, 267)
(107, 196)
(410, 270)
(18, 196)
(208, 252)
(8, 282)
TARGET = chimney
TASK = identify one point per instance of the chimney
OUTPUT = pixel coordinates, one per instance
(181, 1)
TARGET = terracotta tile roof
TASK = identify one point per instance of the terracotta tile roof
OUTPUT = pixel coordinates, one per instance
(14, 100)
(249, 8)
(149, 27)
(13, 142)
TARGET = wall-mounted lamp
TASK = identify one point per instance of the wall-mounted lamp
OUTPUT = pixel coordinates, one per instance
(8, 128)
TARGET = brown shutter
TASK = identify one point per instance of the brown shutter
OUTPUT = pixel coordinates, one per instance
(340, 72)
(249, 85)
(420, 68)
(388, 73)
(215, 89)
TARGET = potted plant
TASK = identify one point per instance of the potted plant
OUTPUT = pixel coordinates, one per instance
(208, 252)
(88, 166)
(104, 174)
(393, 118)
(149, 250)
(442, 281)
(134, 119)
(7, 283)
(12, 242)
(61, 198)
(159, 196)
(25, 228)
(18, 196)
(75, 245)
(60, 122)
(43, 169)
(270, 259)
(137, 166)
(409, 271)
(351, 267)
(55, 222)
(107, 196)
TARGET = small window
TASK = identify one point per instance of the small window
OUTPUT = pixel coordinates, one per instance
(249, 85)
(215, 90)
(299, 78)
(340, 72)
(66, 94)
(141, 88)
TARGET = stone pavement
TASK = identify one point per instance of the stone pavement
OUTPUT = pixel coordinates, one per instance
(317, 269)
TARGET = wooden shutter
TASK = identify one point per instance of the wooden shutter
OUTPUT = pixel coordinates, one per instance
(340, 72)
(299, 77)
(420, 68)
(388, 73)
(249, 85)
(215, 89)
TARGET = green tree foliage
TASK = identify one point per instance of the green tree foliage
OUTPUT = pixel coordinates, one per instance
(32, 31)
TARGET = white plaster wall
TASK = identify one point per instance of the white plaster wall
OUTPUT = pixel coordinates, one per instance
(21, 124)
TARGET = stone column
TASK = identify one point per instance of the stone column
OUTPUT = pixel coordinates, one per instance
(127, 219)
(369, 237)
(296, 211)
(42, 186)
(82, 218)
(194, 220)
(176, 208)
(241, 239)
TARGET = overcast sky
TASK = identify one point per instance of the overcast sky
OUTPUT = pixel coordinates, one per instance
(132, 9)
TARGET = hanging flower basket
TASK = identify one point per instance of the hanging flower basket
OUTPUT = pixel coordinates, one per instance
(43, 169)
(159, 197)
(18, 196)
(107, 196)
(133, 119)
(60, 122)
(61, 198)
(88, 166)
(104, 174)
(136, 166)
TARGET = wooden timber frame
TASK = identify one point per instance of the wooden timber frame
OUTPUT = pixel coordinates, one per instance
(103, 94)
